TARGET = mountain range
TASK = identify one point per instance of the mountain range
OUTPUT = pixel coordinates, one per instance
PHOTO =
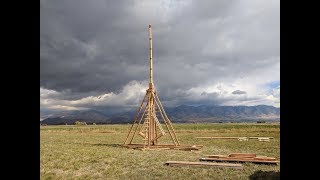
(180, 114)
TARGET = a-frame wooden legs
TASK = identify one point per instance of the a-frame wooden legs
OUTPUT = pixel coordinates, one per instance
(135, 118)
(150, 121)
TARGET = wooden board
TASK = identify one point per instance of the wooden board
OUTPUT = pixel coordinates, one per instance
(186, 163)
(265, 158)
(243, 158)
(240, 160)
(217, 156)
(260, 137)
(217, 137)
(242, 155)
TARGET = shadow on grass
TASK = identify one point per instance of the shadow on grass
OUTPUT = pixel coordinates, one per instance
(265, 175)
(108, 145)
(99, 144)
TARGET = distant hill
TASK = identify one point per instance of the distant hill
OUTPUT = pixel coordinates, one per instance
(180, 114)
(70, 117)
(206, 113)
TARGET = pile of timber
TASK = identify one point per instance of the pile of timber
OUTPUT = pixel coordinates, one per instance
(241, 157)
(186, 163)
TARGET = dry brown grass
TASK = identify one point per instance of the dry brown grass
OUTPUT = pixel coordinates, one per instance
(94, 152)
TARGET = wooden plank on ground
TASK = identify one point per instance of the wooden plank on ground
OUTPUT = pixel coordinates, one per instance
(217, 156)
(265, 158)
(260, 137)
(240, 160)
(186, 163)
(243, 158)
(242, 155)
(220, 137)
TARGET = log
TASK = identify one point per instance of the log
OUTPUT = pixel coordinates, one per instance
(186, 163)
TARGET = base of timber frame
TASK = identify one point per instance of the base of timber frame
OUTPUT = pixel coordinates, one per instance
(163, 146)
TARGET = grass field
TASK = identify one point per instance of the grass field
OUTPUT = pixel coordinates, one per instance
(95, 152)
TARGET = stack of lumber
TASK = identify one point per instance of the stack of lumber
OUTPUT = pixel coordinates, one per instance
(186, 163)
(241, 157)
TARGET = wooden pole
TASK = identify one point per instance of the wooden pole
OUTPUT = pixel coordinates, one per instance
(149, 119)
(150, 46)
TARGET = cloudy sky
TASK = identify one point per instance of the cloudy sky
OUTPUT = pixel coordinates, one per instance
(94, 53)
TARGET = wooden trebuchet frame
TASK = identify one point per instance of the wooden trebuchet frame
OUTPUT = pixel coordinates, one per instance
(149, 126)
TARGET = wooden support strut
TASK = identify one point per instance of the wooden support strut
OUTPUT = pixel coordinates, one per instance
(173, 140)
(174, 133)
(144, 111)
(167, 122)
(135, 118)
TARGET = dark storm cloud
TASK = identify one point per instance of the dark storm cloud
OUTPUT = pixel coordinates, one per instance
(94, 47)
(239, 92)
